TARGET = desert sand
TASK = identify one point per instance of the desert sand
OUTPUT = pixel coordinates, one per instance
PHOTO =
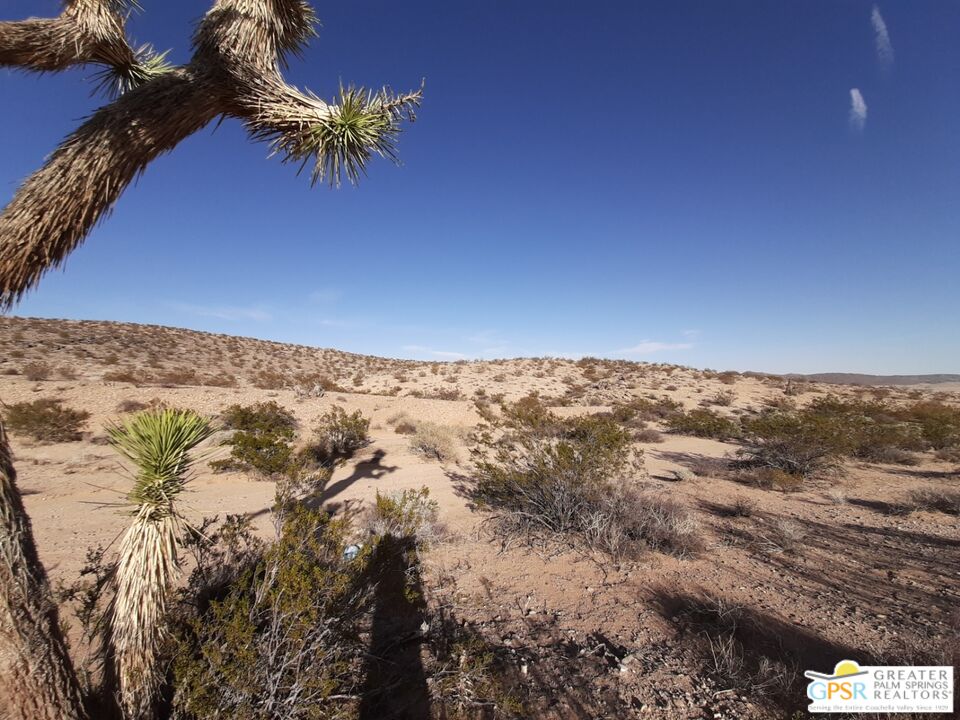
(860, 577)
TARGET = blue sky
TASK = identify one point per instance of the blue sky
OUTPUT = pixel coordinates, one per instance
(690, 182)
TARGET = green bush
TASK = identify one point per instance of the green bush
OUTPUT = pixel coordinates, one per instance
(799, 443)
(872, 429)
(261, 441)
(265, 417)
(939, 423)
(638, 410)
(339, 435)
(281, 638)
(404, 514)
(46, 420)
(704, 423)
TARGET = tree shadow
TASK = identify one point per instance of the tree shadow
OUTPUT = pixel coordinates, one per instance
(702, 465)
(372, 469)
(395, 683)
(875, 567)
(753, 651)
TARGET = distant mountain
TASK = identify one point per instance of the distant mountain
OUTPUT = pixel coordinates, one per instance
(860, 379)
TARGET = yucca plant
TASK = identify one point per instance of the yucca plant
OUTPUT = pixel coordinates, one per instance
(158, 443)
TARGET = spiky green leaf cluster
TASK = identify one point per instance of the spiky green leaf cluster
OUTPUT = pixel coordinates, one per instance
(360, 123)
(117, 80)
(158, 443)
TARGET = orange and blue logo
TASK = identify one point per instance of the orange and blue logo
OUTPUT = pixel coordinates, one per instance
(855, 688)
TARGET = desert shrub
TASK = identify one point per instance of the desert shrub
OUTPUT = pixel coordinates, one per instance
(65, 372)
(404, 514)
(278, 637)
(265, 453)
(743, 507)
(127, 376)
(405, 427)
(339, 435)
(704, 423)
(261, 441)
(638, 410)
(647, 435)
(264, 417)
(433, 441)
(872, 430)
(37, 371)
(724, 399)
(798, 443)
(938, 422)
(130, 406)
(269, 380)
(46, 420)
(770, 478)
(938, 500)
(554, 476)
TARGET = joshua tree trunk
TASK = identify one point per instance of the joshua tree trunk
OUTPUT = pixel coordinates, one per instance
(37, 679)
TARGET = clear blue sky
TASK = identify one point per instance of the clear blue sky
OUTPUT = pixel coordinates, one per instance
(665, 181)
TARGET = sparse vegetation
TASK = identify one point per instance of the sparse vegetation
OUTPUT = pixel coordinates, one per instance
(261, 441)
(565, 477)
(36, 371)
(46, 420)
(704, 423)
(935, 500)
(339, 435)
(405, 514)
(434, 442)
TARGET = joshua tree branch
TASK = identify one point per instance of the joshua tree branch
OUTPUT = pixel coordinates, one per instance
(87, 31)
(53, 211)
(239, 48)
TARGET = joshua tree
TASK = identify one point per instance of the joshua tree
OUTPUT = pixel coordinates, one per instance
(37, 679)
(239, 48)
(158, 443)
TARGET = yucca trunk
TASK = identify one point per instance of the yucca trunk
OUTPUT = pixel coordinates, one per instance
(158, 443)
(146, 568)
(37, 679)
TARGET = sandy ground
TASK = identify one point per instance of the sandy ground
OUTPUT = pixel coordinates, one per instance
(861, 579)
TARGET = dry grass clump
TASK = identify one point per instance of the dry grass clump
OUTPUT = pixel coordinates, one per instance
(46, 420)
(434, 442)
(943, 500)
(405, 514)
(780, 535)
(741, 649)
(36, 371)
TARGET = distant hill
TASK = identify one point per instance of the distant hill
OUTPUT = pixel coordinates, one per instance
(860, 379)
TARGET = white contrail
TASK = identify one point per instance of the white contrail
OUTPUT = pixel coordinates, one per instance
(881, 37)
(858, 109)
